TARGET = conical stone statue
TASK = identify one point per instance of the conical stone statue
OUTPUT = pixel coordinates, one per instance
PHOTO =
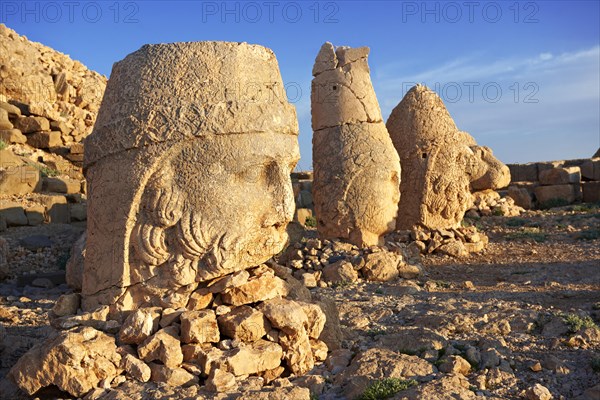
(356, 168)
(188, 172)
(441, 165)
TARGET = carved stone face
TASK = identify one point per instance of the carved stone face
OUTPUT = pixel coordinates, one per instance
(216, 205)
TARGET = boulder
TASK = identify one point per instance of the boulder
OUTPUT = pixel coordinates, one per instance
(61, 185)
(163, 346)
(257, 289)
(244, 323)
(13, 213)
(591, 192)
(199, 327)
(167, 180)
(16, 176)
(32, 124)
(75, 361)
(4, 121)
(567, 193)
(521, 196)
(381, 266)
(356, 169)
(139, 325)
(590, 169)
(340, 272)
(44, 140)
(12, 136)
(560, 176)
(257, 357)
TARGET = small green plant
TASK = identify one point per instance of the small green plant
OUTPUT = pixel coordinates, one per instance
(386, 388)
(595, 363)
(314, 396)
(516, 221)
(528, 233)
(376, 332)
(311, 222)
(342, 285)
(589, 234)
(576, 323)
(497, 212)
(596, 306)
(552, 203)
(45, 170)
(585, 207)
(3, 144)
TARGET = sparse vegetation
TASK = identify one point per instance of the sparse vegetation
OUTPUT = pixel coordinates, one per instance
(552, 203)
(45, 170)
(386, 388)
(516, 221)
(528, 233)
(310, 222)
(595, 363)
(576, 323)
(3, 144)
(589, 234)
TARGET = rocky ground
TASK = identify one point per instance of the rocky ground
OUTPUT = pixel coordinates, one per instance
(517, 320)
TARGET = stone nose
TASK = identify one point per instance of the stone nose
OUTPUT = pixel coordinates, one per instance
(282, 198)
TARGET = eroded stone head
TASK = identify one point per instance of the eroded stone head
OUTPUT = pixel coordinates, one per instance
(188, 172)
(356, 168)
(440, 164)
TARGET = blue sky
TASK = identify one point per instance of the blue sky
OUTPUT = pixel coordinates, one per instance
(523, 77)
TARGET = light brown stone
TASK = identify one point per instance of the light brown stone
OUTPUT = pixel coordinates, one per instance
(4, 121)
(62, 185)
(67, 304)
(257, 289)
(538, 392)
(251, 359)
(12, 136)
(316, 319)
(75, 361)
(568, 193)
(221, 381)
(136, 368)
(199, 327)
(12, 110)
(244, 323)
(440, 164)
(32, 124)
(455, 365)
(521, 196)
(163, 346)
(356, 169)
(560, 176)
(286, 315)
(167, 179)
(590, 169)
(381, 266)
(340, 272)
(139, 325)
(44, 140)
(172, 376)
(200, 299)
(298, 353)
(13, 214)
(17, 177)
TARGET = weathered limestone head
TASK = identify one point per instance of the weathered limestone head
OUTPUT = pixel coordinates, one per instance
(356, 168)
(441, 165)
(188, 172)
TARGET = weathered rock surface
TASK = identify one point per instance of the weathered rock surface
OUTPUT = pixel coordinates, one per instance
(356, 169)
(167, 180)
(441, 165)
(75, 361)
(47, 89)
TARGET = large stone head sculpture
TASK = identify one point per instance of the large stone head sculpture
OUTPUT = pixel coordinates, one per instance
(188, 172)
(440, 164)
(356, 168)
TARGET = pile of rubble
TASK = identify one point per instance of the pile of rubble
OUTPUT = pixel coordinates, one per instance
(233, 327)
(325, 263)
(489, 202)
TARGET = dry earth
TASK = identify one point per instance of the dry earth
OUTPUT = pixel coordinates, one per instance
(523, 312)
